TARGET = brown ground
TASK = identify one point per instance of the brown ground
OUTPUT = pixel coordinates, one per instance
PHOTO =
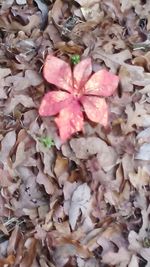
(84, 203)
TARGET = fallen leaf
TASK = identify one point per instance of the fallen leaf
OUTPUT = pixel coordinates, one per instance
(25, 100)
(144, 136)
(28, 257)
(46, 181)
(80, 202)
(61, 165)
(135, 117)
(92, 13)
(7, 261)
(44, 10)
(121, 258)
(21, 2)
(113, 61)
(24, 156)
(69, 47)
(5, 178)
(86, 147)
(3, 73)
(86, 3)
(139, 179)
(21, 82)
(144, 152)
(6, 4)
(34, 21)
(127, 4)
(134, 261)
(6, 145)
(56, 11)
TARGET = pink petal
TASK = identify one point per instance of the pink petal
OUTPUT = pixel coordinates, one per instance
(81, 73)
(53, 102)
(96, 109)
(70, 120)
(58, 72)
(102, 83)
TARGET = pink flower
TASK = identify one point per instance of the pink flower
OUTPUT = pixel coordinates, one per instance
(78, 91)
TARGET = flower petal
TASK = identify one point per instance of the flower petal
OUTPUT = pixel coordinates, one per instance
(70, 120)
(96, 109)
(53, 102)
(81, 73)
(58, 72)
(102, 83)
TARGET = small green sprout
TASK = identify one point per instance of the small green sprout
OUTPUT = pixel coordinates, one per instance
(146, 242)
(75, 59)
(47, 141)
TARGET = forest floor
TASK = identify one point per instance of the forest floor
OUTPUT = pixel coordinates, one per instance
(84, 202)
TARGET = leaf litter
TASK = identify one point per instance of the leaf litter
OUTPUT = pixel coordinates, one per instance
(83, 202)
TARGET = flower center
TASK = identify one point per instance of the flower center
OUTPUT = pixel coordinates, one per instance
(77, 93)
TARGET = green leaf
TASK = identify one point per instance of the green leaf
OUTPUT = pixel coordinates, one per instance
(146, 242)
(47, 141)
(75, 59)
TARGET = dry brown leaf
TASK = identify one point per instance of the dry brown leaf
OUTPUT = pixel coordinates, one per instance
(119, 200)
(3, 74)
(24, 156)
(127, 4)
(61, 169)
(6, 145)
(7, 261)
(32, 213)
(45, 180)
(140, 179)
(61, 165)
(143, 61)
(125, 79)
(5, 178)
(144, 152)
(86, 147)
(6, 4)
(21, 2)
(135, 117)
(34, 22)
(83, 31)
(44, 11)
(68, 249)
(80, 202)
(13, 240)
(21, 82)
(93, 12)
(69, 47)
(47, 157)
(113, 61)
(87, 3)
(30, 253)
(56, 12)
(120, 258)
(25, 100)
(3, 228)
(144, 136)
(134, 261)
(136, 240)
